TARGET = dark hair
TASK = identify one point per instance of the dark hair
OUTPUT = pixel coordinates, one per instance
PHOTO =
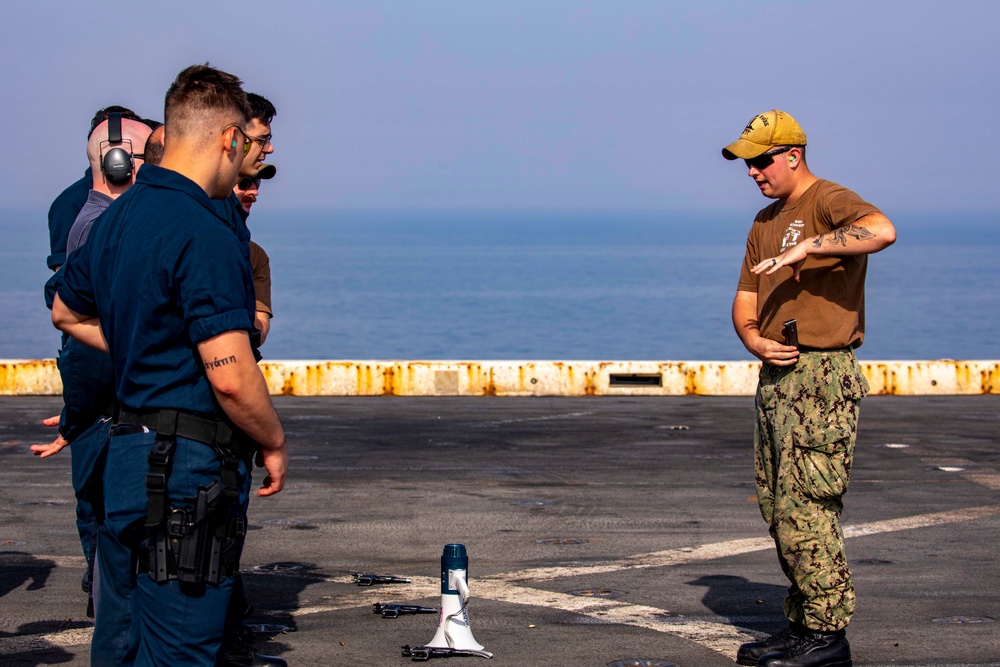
(150, 123)
(153, 150)
(201, 88)
(101, 115)
(261, 108)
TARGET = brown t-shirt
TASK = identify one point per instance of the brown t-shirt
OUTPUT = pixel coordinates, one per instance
(829, 302)
(261, 264)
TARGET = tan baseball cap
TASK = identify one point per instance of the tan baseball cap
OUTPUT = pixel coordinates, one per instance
(764, 132)
(267, 170)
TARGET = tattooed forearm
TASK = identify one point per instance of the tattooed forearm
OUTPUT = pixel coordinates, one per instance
(839, 236)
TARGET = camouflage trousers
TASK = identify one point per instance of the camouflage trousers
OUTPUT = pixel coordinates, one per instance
(807, 417)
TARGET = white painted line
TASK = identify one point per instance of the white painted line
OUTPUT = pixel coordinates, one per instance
(418, 588)
(62, 639)
(19, 558)
(741, 546)
(988, 479)
(567, 415)
(724, 638)
(654, 559)
(922, 521)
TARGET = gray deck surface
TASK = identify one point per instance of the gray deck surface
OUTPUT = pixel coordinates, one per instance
(640, 511)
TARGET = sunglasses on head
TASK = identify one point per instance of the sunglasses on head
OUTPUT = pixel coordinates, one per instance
(765, 160)
(247, 182)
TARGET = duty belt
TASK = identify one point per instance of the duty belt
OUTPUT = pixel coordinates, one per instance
(212, 432)
(182, 543)
(229, 445)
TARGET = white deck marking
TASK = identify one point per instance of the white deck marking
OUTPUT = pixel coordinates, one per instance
(724, 638)
(63, 638)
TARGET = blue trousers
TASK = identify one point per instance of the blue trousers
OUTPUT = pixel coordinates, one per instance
(87, 454)
(138, 621)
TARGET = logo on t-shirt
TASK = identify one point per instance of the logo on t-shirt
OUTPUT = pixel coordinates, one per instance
(792, 235)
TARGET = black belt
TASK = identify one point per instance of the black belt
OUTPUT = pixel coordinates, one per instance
(805, 348)
(230, 445)
(215, 432)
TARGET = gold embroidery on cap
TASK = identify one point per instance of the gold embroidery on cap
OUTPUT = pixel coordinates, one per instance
(749, 128)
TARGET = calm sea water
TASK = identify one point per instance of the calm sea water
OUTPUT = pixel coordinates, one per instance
(550, 286)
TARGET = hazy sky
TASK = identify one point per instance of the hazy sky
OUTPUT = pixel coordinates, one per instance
(618, 105)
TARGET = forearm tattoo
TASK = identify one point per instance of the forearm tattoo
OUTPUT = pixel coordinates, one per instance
(216, 363)
(839, 236)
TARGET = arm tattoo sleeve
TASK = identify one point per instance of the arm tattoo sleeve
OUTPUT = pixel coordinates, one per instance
(839, 236)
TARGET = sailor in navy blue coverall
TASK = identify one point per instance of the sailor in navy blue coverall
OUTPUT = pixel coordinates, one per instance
(161, 285)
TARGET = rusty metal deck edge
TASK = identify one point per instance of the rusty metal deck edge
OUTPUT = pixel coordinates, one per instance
(40, 377)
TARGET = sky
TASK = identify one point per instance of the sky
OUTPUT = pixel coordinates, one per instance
(555, 105)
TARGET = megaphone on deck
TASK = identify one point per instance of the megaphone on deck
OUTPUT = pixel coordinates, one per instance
(453, 623)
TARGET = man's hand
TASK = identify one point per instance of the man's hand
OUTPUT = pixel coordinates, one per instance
(794, 257)
(772, 352)
(53, 447)
(241, 391)
(263, 324)
(275, 462)
(748, 329)
(869, 234)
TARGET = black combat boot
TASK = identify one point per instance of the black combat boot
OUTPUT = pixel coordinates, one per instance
(751, 652)
(813, 649)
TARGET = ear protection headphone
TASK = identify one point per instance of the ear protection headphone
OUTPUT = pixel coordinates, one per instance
(116, 165)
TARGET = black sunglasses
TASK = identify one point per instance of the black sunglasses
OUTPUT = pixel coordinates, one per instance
(762, 162)
(247, 181)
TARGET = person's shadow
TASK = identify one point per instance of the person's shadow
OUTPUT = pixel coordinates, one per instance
(273, 591)
(17, 567)
(25, 647)
(748, 604)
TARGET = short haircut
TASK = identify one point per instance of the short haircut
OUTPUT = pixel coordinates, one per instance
(202, 96)
(101, 115)
(153, 150)
(261, 108)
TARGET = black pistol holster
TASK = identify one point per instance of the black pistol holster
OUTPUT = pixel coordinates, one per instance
(201, 541)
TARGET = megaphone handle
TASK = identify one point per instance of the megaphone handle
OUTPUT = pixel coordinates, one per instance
(458, 577)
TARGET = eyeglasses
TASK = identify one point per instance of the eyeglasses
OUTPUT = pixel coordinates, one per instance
(247, 182)
(762, 162)
(264, 141)
(247, 142)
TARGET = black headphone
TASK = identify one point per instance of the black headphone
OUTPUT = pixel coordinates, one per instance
(117, 163)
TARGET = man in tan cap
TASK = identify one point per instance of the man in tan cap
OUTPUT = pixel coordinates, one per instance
(799, 308)
(247, 190)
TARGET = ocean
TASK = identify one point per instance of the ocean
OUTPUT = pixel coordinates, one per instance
(550, 286)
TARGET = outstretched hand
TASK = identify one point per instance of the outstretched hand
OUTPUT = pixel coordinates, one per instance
(53, 447)
(794, 257)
